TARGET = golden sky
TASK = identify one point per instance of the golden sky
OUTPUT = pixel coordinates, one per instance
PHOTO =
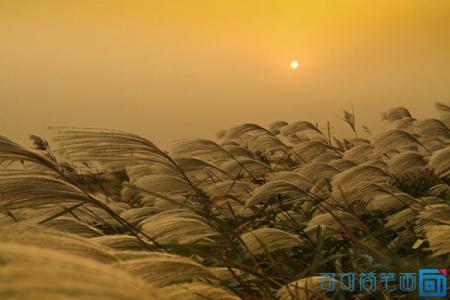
(172, 69)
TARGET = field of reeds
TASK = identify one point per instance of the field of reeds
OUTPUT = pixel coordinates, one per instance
(259, 213)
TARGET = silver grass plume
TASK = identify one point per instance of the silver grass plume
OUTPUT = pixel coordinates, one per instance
(263, 240)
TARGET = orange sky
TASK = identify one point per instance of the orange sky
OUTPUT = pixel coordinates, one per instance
(172, 69)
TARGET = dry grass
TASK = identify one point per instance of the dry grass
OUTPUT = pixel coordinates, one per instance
(257, 214)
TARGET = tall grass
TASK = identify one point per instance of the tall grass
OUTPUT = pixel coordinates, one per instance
(257, 214)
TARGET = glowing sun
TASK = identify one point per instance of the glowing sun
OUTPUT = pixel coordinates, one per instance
(294, 64)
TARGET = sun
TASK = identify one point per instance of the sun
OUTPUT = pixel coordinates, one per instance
(294, 64)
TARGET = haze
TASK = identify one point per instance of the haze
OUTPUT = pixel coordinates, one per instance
(173, 69)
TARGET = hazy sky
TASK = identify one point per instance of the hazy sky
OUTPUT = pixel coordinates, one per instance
(172, 69)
